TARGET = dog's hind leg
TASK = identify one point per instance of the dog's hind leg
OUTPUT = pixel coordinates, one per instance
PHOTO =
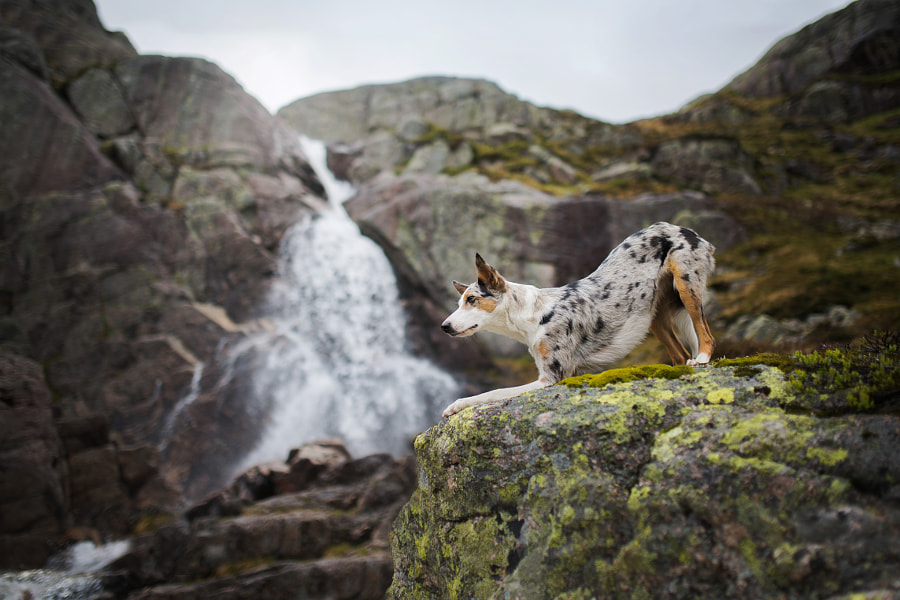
(689, 286)
(664, 326)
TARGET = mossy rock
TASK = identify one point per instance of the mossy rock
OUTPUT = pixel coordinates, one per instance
(627, 374)
(747, 363)
(702, 485)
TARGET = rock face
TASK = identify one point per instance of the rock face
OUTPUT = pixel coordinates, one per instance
(831, 70)
(725, 482)
(60, 39)
(316, 526)
(65, 480)
(143, 200)
(446, 125)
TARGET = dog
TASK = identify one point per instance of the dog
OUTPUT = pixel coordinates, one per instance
(654, 280)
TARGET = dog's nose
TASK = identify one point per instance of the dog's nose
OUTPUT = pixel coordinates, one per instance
(447, 327)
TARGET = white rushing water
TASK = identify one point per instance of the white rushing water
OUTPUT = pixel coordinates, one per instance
(335, 362)
(69, 575)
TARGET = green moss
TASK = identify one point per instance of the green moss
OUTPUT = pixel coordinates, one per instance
(825, 456)
(627, 374)
(749, 552)
(436, 132)
(346, 549)
(745, 367)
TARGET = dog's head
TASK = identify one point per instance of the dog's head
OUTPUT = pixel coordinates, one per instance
(478, 302)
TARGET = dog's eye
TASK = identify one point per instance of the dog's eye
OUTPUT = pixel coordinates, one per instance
(471, 300)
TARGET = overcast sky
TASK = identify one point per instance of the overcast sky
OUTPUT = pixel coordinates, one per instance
(615, 60)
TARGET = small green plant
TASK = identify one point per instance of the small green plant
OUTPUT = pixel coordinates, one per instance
(869, 375)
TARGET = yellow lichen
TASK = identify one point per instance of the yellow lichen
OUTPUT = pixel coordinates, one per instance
(826, 457)
(720, 396)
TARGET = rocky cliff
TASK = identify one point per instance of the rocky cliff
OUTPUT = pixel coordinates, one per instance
(752, 478)
(143, 200)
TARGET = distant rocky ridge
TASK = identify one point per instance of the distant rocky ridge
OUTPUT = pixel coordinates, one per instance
(859, 39)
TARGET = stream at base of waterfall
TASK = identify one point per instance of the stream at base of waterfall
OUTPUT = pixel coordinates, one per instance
(69, 575)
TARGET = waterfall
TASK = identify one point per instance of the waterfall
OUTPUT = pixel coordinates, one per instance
(335, 362)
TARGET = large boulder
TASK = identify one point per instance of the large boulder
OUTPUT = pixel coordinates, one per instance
(734, 480)
(432, 226)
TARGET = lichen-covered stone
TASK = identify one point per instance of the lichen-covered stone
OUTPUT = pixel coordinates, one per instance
(707, 485)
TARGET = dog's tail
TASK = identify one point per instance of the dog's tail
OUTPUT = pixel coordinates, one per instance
(684, 329)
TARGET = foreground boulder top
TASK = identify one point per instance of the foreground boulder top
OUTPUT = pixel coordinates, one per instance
(736, 480)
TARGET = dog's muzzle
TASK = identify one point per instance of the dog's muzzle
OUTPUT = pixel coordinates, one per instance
(449, 330)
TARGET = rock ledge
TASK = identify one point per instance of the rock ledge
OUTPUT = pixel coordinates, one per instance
(724, 482)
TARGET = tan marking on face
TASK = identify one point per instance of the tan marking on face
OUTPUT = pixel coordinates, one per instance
(543, 349)
(485, 304)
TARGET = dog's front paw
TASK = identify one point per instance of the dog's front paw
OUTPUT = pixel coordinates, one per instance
(455, 407)
(702, 359)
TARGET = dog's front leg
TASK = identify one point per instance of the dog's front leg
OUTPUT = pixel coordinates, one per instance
(494, 396)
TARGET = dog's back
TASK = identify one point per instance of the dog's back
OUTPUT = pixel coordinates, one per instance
(597, 320)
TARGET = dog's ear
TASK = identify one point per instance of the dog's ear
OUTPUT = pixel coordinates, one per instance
(460, 287)
(488, 275)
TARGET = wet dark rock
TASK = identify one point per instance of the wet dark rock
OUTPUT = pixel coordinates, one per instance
(34, 478)
(353, 578)
(251, 534)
